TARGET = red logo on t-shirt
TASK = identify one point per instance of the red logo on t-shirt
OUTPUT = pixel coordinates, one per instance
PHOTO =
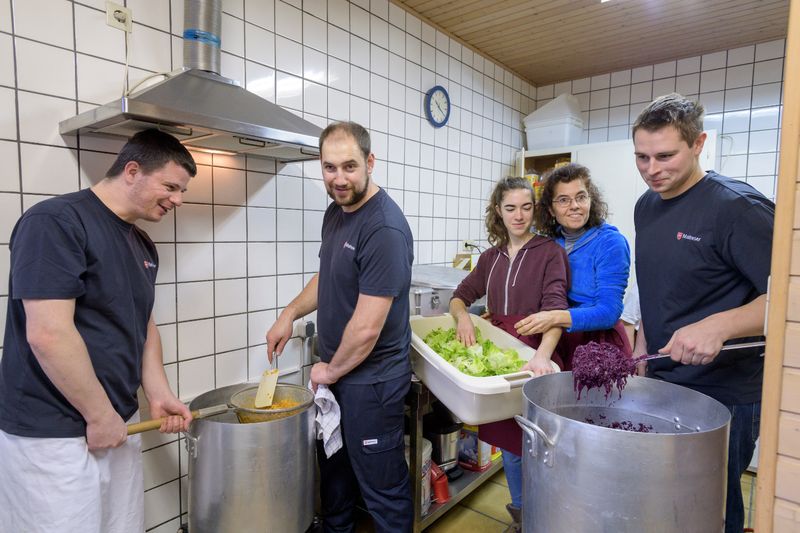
(680, 235)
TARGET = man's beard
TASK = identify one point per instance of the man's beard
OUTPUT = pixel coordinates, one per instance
(356, 195)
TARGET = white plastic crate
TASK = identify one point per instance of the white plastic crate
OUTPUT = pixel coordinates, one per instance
(474, 400)
(557, 123)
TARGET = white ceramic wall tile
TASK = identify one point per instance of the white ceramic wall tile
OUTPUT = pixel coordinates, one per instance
(231, 332)
(289, 225)
(161, 504)
(770, 50)
(642, 74)
(642, 92)
(764, 184)
(262, 293)
(99, 80)
(232, 39)
(664, 70)
(233, 7)
(288, 21)
(164, 310)
(196, 376)
(261, 259)
(736, 121)
(714, 61)
(48, 169)
(93, 36)
(230, 295)
(687, 84)
(688, 65)
(261, 13)
(261, 224)
(49, 21)
(712, 80)
(169, 342)
(57, 79)
(260, 45)
(261, 81)
(289, 90)
(230, 260)
(763, 141)
(154, 14)
(194, 262)
(39, 116)
(9, 178)
(231, 368)
(622, 77)
(764, 118)
(230, 223)
(288, 288)
(761, 164)
(713, 102)
(195, 300)
(194, 223)
(738, 99)
(195, 339)
(232, 67)
(160, 465)
(739, 76)
(740, 56)
(768, 71)
(766, 95)
(10, 211)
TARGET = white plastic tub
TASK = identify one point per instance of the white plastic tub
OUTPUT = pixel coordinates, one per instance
(557, 123)
(474, 400)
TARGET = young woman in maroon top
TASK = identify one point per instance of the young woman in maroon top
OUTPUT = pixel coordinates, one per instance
(522, 274)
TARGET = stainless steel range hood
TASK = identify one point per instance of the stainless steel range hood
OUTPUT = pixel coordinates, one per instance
(203, 109)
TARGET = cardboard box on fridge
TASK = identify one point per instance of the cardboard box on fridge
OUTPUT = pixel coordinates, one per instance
(473, 453)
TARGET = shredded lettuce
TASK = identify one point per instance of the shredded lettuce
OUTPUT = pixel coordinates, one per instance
(484, 358)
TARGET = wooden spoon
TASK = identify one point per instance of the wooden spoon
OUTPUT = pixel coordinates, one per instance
(266, 388)
(155, 423)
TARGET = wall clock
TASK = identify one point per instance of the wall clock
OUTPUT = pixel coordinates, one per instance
(437, 106)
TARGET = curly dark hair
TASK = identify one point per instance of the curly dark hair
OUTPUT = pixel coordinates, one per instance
(545, 220)
(496, 231)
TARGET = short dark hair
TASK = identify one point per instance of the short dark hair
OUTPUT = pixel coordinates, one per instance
(355, 130)
(496, 231)
(672, 110)
(545, 221)
(152, 149)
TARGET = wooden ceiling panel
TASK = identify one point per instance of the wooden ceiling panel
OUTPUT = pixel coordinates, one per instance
(549, 41)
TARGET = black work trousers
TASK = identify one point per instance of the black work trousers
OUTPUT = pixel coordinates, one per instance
(372, 460)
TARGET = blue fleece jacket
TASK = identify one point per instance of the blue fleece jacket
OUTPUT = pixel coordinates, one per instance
(599, 264)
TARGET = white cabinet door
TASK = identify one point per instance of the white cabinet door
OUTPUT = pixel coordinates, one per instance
(613, 169)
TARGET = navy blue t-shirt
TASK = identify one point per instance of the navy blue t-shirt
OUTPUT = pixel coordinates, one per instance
(74, 247)
(369, 251)
(704, 252)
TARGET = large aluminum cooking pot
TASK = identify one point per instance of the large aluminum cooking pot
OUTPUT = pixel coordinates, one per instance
(578, 476)
(251, 477)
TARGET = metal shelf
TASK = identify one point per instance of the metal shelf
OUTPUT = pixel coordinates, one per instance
(419, 400)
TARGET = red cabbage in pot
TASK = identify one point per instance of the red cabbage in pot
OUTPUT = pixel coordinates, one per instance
(603, 364)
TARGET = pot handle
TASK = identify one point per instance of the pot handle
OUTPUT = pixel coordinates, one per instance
(191, 445)
(532, 430)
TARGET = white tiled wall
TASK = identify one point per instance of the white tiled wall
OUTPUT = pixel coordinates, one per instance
(247, 236)
(741, 91)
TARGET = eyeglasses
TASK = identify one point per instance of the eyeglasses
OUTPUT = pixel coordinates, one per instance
(566, 201)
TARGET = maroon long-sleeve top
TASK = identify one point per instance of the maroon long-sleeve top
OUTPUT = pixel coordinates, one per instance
(536, 280)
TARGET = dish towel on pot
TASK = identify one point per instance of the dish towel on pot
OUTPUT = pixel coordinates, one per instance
(328, 419)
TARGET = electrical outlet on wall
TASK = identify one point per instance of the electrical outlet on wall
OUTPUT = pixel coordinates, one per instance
(119, 17)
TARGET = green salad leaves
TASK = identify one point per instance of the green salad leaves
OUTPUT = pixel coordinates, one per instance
(484, 358)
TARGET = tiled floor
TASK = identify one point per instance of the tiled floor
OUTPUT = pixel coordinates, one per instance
(484, 511)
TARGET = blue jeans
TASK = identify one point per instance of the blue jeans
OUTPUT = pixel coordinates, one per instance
(512, 464)
(745, 423)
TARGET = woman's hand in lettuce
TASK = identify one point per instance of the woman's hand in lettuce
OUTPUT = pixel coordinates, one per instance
(539, 365)
(465, 331)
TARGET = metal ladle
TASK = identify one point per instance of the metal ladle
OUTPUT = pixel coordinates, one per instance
(724, 347)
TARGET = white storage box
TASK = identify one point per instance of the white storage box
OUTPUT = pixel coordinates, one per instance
(557, 123)
(474, 400)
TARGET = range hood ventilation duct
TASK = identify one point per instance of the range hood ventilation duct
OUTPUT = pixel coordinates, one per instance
(206, 111)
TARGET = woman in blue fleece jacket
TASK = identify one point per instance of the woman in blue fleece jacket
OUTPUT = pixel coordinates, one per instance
(572, 212)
